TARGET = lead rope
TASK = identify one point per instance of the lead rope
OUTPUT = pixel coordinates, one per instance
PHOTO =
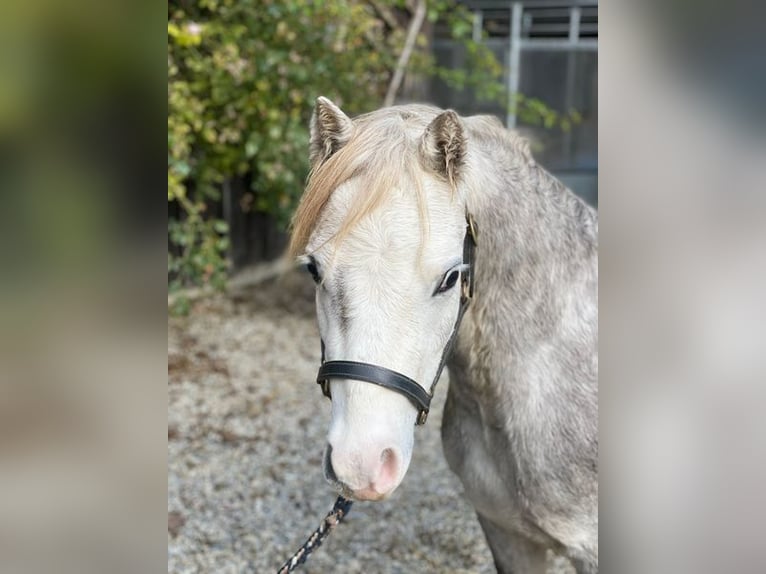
(339, 511)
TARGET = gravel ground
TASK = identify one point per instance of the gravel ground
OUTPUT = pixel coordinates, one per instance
(246, 428)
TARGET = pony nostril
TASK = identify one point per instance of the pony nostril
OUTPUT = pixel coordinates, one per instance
(389, 470)
(329, 471)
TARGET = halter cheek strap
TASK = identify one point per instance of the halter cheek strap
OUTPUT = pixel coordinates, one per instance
(397, 382)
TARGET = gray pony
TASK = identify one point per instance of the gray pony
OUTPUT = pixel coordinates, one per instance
(381, 227)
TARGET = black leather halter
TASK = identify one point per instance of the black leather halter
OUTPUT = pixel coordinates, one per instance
(396, 381)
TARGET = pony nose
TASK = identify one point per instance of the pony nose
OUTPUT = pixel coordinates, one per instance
(364, 478)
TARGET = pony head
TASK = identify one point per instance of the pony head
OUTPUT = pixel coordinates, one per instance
(380, 229)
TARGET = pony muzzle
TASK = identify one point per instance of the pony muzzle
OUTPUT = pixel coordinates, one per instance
(363, 476)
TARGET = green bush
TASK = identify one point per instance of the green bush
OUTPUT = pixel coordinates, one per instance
(242, 78)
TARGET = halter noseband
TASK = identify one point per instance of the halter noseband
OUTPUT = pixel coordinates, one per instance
(392, 380)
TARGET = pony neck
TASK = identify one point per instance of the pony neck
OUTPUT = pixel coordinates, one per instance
(534, 234)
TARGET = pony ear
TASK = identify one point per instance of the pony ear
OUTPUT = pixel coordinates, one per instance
(443, 146)
(330, 130)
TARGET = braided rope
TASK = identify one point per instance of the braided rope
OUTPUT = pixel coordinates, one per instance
(339, 511)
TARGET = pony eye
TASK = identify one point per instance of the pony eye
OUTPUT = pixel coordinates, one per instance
(448, 282)
(311, 267)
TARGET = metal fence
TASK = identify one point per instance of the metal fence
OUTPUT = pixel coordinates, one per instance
(549, 52)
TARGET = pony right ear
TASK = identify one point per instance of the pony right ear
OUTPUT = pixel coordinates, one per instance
(443, 145)
(330, 130)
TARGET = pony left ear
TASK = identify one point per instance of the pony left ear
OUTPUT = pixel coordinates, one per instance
(330, 130)
(443, 145)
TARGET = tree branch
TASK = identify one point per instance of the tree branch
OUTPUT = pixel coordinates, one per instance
(409, 44)
(385, 13)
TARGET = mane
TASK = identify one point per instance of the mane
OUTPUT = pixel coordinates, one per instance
(382, 153)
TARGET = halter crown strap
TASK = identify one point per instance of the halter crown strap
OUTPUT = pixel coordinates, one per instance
(396, 381)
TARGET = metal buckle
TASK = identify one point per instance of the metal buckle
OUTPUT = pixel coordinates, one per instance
(472, 227)
(422, 416)
(465, 287)
(325, 384)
